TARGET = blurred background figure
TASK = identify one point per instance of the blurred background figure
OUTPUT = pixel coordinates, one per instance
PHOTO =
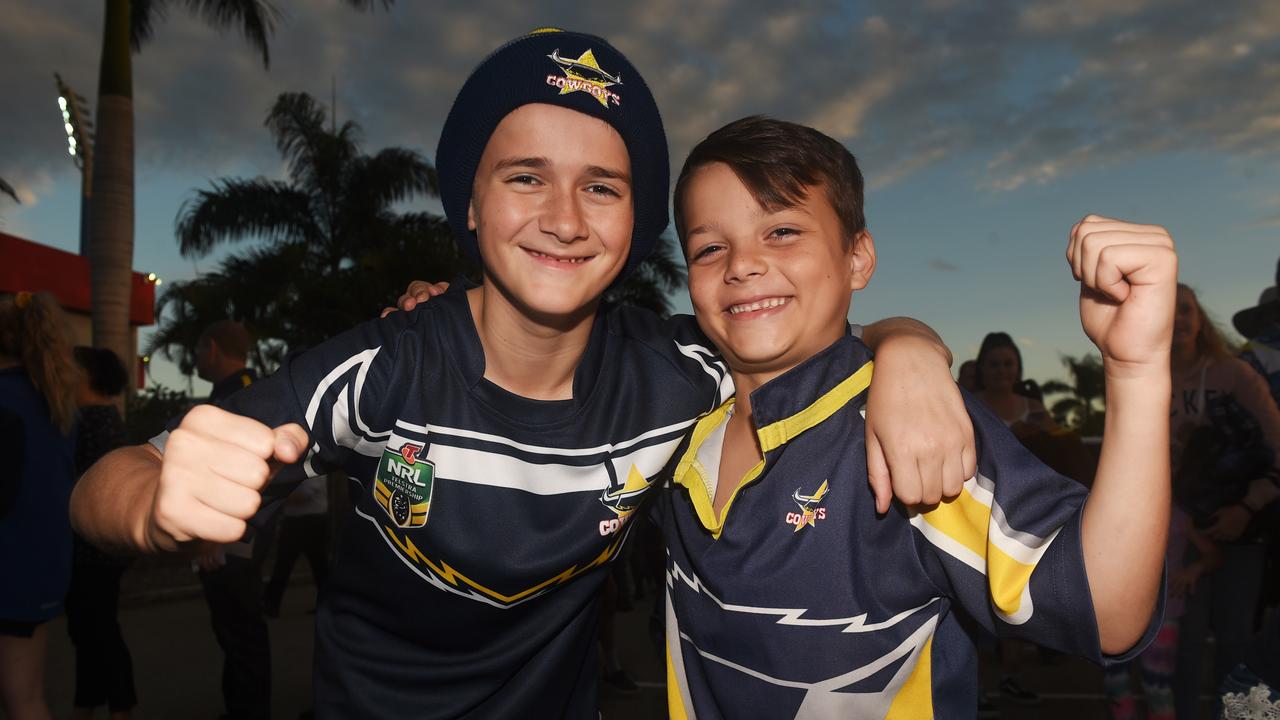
(1158, 662)
(104, 668)
(304, 530)
(1225, 431)
(231, 575)
(997, 380)
(967, 375)
(38, 382)
(1255, 682)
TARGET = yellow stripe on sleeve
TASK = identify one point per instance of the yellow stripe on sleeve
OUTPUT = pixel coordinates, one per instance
(966, 521)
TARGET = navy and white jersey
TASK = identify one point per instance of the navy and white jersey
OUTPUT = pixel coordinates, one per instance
(466, 580)
(798, 600)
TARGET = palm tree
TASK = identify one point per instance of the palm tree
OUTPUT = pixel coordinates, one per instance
(1082, 409)
(128, 24)
(335, 250)
(651, 285)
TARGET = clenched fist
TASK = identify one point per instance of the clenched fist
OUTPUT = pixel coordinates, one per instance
(214, 467)
(1128, 277)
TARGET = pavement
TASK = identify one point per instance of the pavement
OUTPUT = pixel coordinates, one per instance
(177, 664)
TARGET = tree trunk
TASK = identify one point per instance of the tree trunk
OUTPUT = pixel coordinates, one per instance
(111, 209)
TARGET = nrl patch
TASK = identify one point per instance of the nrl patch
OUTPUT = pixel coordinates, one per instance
(584, 74)
(403, 485)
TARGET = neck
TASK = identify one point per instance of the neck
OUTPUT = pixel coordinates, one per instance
(745, 383)
(225, 370)
(531, 356)
(1183, 356)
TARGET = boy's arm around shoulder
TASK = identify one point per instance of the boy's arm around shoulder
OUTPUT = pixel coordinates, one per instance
(1128, 281)
(920, 439)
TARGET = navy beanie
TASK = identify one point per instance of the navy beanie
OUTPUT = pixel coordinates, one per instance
(572, 70)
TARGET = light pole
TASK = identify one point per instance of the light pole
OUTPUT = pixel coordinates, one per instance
(76, 121)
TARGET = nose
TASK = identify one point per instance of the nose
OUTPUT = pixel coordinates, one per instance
(745, 262)
(563, 218)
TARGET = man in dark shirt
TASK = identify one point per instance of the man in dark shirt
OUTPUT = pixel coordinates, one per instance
(230, 573)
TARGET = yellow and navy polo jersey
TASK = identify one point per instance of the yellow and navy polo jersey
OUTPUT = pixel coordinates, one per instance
(798, 600)
(466, 578)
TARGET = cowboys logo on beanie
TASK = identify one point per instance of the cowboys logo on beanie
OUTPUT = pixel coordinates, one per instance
(572, 70)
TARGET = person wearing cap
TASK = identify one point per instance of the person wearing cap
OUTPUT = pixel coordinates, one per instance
(1254, 685)
(500, 438)
(1260, 325)
(1225, 436)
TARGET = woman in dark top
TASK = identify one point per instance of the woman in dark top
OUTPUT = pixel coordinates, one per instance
(37, 409)
(104, 669)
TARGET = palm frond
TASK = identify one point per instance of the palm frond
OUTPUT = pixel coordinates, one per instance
(238, 209)
(255, 19)
(392, 176)
(144, 15)
(7, 189)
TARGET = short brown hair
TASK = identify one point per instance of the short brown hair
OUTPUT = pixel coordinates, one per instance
(778, 161)
(230, 337)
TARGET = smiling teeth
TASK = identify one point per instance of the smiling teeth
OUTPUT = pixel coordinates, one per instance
(759, 305)
(567, 261)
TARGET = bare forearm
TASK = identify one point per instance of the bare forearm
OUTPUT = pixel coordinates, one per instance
(1126, 518)
(110, 504)
(874, 334)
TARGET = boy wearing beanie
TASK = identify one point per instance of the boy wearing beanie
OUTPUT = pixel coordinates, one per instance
(499, 437)
(790, 595)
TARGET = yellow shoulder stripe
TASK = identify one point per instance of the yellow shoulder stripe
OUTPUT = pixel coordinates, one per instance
(775, 435)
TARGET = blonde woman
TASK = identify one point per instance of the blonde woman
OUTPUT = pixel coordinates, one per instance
(1225, 431)
(38, 382)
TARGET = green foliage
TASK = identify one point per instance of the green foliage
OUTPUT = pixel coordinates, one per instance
(1083, 408)
(148, 411)
(333, 249)
(651, 285)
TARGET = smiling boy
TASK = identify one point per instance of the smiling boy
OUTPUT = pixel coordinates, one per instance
(499, 437)
(788, 594)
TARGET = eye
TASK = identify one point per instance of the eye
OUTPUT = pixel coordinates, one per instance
(602, 190)
(706, 251)
(524, 179)
(784, 232)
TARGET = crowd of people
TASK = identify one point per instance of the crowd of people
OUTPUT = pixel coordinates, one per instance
(1223, 547)
(558, 414)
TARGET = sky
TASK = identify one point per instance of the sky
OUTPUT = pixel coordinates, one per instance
(985, 130)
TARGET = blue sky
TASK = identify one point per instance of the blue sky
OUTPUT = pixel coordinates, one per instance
(985, 130)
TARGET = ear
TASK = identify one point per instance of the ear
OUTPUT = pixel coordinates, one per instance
(862, 260)
(471, 215)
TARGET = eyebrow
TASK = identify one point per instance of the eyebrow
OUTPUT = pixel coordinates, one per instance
(537, 163)
(608, 173)
(542, 163)
(703, 228)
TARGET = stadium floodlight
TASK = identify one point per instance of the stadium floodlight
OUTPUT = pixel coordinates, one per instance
(78, 126)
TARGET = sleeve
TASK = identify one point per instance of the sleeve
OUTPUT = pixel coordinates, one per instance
(1009, 549)
(340, 392)
(13, 448)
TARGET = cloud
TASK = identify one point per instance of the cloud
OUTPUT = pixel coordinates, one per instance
(1024, 94)
(942, 265)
